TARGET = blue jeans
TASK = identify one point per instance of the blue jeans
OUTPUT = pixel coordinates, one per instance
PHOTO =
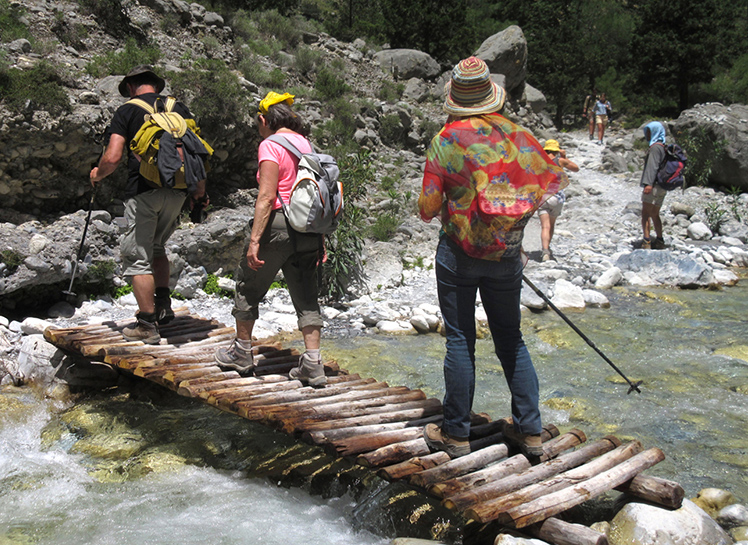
(458, 277)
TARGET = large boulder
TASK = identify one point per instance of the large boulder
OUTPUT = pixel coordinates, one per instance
(719, 123)
(408, 63)
(666, 268)
(642, 524)
(506, 53)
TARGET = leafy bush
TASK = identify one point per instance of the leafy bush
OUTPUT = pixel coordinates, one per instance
(391, 131)
(11, 259)
(390, 91)
(286, 30)
(113, 18)
(307, 60)
(252, 70)
(336, 134)
(121, 62)
(212, 288)
(39, 88)
(344, 247)
(214, 93)
(11, 26)
(329, 85)
(387, 183)
(703, 153)
(385, 226)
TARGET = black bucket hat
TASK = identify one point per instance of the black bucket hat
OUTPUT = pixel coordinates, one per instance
(138, 70)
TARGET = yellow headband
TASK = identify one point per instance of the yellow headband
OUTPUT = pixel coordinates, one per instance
(274, 98)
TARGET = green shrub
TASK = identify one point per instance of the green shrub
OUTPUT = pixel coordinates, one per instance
(214, 93)
(211, 287)
(336, 134)
(329, 85)
(387, 183)
(253, 71)
(39, 88)
(703, 153)
(385, 226)
(212, 46)
(11, 259)
(121, 62)
(344, 247)
(122, 291)
(307, 60)
(390, 91)
(71, 34)
(391, 130)
(11, 26)
(286, 30)
(112, 17)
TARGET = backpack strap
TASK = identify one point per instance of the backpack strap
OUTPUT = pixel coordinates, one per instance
(152, 109)
(286, 143)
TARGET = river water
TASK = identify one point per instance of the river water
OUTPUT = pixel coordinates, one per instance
(198, 471)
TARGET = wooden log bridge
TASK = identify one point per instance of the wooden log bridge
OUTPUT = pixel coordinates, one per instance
(380, 427)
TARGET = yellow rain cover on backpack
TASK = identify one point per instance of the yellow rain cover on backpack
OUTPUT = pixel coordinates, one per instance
(145, 143)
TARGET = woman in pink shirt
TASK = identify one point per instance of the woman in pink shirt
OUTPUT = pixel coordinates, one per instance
(274, 246)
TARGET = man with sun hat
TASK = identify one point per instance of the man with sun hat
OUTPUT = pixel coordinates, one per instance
(484, 178)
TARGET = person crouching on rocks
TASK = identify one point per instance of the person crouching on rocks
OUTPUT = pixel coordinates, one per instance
(551, 209)
(653, 195)
(270, 248)
(484, 179)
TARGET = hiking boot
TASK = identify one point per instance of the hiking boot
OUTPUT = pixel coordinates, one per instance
(529, 445)
(164, 313)
(235, 358)
(646, 244)
(658, 244)
(143, 330)
(592, 137)
(309, 371)
(437, 439)
(546, 256)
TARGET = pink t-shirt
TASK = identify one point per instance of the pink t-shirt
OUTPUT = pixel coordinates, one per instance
(286, 161)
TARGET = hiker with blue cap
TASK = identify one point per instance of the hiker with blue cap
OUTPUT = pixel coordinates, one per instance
(653, 195)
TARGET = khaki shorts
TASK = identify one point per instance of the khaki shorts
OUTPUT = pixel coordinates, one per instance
(601, 120)
(151, 217)
(553, 207)
(299, 271)
(656, 197)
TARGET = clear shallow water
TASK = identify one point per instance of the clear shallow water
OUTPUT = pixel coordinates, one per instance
(202, 475)
(694, 400)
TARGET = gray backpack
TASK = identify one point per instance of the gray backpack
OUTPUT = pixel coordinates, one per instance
(316, 199)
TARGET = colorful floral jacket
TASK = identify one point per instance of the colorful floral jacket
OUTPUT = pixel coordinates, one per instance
(485, 177)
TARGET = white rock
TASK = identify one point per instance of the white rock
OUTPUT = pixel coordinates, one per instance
(420, 323)
(433, 321)
(4, 321)
(504, 539)
(128, 300)
(330, 313)
(428, 308)
(567, 295)
(609, 278)
(225, 283)
(733, 516)
(699, 231)
(389, 326)
(642, 524)
(37, 244)
(725, 277)
(34, 326)
(595, 299)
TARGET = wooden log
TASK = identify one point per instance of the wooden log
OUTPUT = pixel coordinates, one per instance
(323, 408)
(392, 412)
(292, 359)
(496, 488)
(492, 509)
(373, 441)
(347, 408)
(394, 453)
(559, 532)
(194, 388)
(245, 393)
(172, 379)
(404, 469)
(560, 501)
(330, 436)
(655, 490)
(470, 474)
(294, 398)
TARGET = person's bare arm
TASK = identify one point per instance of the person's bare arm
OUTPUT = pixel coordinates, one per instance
(110, 160)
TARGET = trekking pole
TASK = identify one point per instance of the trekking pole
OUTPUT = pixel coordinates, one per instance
(634, 386)
(69, 292)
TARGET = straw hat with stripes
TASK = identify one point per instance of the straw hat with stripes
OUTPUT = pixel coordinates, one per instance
(471, 91)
